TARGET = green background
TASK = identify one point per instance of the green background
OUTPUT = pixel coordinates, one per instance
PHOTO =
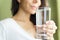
(5, 7)
(5, 12)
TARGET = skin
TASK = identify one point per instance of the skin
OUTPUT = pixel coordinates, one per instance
(23, 18)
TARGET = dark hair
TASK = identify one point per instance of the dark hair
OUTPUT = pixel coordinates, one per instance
(15, 7)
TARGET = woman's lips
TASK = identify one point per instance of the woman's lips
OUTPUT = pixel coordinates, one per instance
(34, 7)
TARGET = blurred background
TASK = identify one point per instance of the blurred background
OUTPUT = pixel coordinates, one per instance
(5, 12)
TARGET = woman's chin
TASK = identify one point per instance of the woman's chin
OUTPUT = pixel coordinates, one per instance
(33, 12)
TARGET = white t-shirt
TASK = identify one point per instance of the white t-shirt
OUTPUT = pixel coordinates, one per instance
(10, 30)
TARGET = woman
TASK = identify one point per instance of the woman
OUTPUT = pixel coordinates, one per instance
(22, 25)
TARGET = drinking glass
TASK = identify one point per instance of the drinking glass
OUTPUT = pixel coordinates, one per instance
(43, 14)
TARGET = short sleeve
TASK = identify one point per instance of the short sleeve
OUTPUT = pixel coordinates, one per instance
(1, 32)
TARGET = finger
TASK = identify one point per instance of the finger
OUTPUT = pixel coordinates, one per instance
(44, 27)
(52, 27)
(49, 35)
(48, 29)
(38, 27)
(50, 22)
(51, 31)
(49, 38)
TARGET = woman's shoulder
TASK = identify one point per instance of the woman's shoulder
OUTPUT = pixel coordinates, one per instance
(5, 21)
(8, 23)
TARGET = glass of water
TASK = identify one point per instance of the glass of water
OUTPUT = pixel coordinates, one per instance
(43, 14)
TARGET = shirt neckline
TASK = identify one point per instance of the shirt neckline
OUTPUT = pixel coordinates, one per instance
(21, 28)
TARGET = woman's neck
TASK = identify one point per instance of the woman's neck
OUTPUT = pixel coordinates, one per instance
(22, 15)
